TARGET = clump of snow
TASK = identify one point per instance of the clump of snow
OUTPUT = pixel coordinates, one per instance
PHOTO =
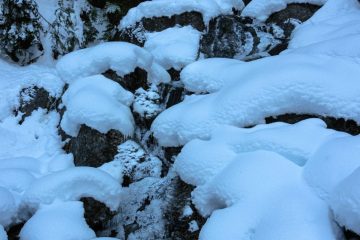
(174, 47)
(262, 9)
(262, 192)
(345, 202)
(332, 163)
(14, 78)
(147, 103)
(72, 184)
(15, 179)
(121, 57)
(3, 235)
(206, 75)
(332, 30)
(7, 207)
(58, 221)
(201, 160)
(208, 8)
(325, 85)
(108, 108)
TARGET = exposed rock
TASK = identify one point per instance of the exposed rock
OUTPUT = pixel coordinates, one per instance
(233, 36)
(97, 214)
(136, 34)
(292, 15)
(33, 98)
(92, 148)
(131, 81)
(338, 124)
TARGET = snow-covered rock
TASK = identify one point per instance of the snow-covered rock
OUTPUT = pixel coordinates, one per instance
(72, 184)
(251, 95)
(121, 57)
(108, 108)
(174, 47)
(206, 75)
(199, 160)
(262, 9)
(158, 8)
(58, 221)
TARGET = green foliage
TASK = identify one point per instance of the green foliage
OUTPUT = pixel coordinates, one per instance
(20, 31)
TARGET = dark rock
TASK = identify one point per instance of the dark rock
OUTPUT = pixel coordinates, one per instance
(33, 98)
(177, 225)
(97, 214)
(174, 74)
(233, 36)
(14, 231)
(339, 124)
(136, 34)
(131, 81)
(350, 235)
(92, 148)
(175, 96)
(295, 13)
(97, 3)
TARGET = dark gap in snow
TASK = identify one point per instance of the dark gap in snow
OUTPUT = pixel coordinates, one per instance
(339, 124)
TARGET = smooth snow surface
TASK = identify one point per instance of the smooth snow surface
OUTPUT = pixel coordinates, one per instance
(345, 202)
(3, 235)
(332, 163)
(7, 207)
(262, 9)
(208, 8)
(58, 221)
(207, 75)
(72, 184)
(121, 57)
(174, 47)
(99, 103)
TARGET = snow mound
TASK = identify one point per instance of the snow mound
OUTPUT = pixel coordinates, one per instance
(72, 184)
(345, 202)
(324, 85)
(207, 75)
(15, 179)
(108, 108)
(262, 9)
(332, 163)
(199, 160)
(121, 57)
(174, 47)
(59, 221)
(296, 214)
(330, 28)
(3, 235)
(14, 78)
(208, 8)
(7, 207)
(239, 181)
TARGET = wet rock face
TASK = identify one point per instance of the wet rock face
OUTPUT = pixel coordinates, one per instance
(32, 98)
(233, 36)
(136, 34)
(92, 148)
(97, 214)
(131, 81)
